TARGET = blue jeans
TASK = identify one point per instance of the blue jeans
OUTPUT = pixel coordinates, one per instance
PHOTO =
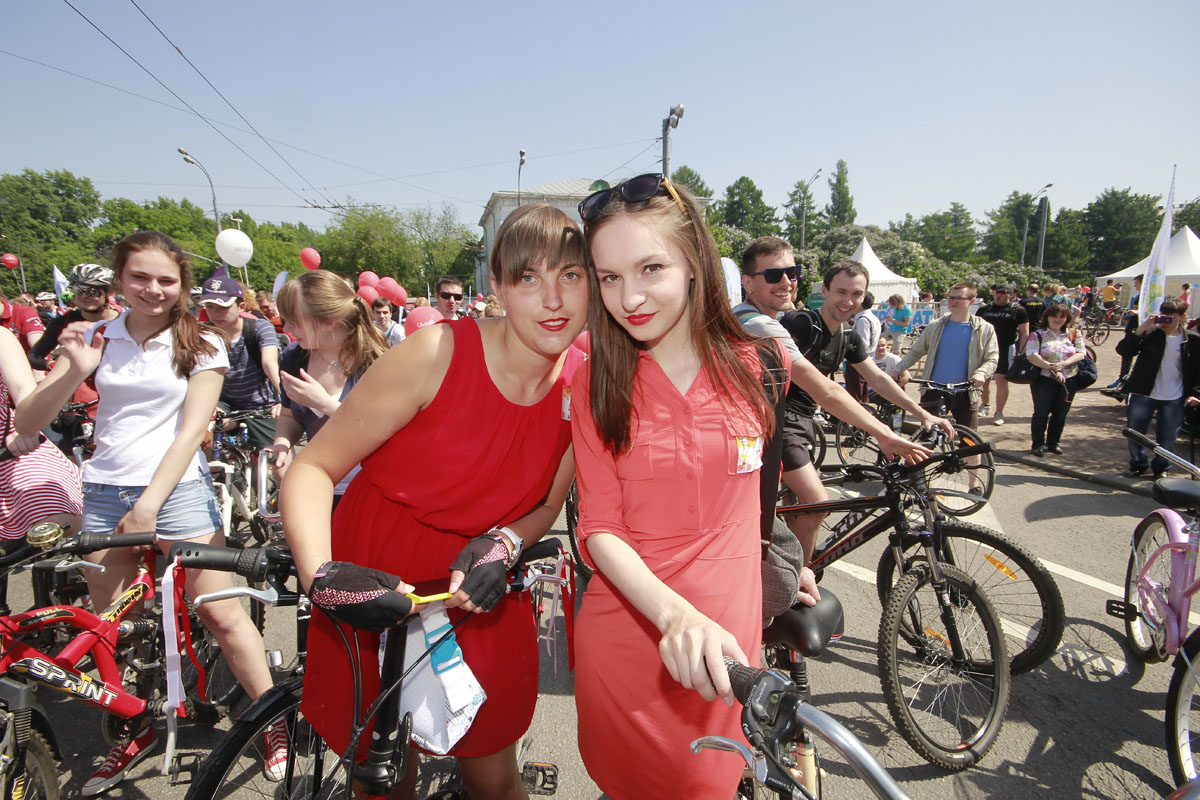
(1170, 417)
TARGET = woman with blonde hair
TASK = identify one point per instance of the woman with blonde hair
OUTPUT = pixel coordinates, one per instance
(334, 341)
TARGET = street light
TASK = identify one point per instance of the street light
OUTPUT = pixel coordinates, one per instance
(520, 164)
(1025, 234)
(189, 158)
(804, 206)
(672, 121)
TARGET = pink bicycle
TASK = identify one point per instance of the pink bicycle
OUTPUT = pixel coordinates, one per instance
(1159, 584)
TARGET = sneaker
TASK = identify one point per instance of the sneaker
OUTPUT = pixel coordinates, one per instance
(275, 753)
(984, 410)
(1040, 452)
(1115, 384)
(119, 761)
(1134, 472)
(1055, 449)
(999, 420)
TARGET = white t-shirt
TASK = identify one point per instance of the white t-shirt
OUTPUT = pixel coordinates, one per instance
(888, 363)
(868, 327)
(1168, 384)
(141, 407)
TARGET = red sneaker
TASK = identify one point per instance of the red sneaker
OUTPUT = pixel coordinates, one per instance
(275, 753)
(119, 760)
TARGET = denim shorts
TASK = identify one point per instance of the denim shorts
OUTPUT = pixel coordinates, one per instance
(190, 511)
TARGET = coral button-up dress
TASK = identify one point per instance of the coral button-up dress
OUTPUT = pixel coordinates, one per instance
(685, 497)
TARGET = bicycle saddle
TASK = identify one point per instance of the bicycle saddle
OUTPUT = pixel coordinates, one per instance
(1177, 493)
(808, 629)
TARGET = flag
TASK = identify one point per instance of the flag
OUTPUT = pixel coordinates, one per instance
(60, 285)
(1154, 282)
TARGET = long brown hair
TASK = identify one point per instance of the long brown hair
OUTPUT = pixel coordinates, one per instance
(324, 296)
(189, 346)
(717, 336)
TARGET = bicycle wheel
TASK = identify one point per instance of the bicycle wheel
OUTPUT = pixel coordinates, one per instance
(572, 514)
(1147, 642)
(223, 694)
(964, 491)
(234, 769)
(1099, 334)
(40, 772)
(1021, 589)
(1183, 715)
(949, 710)
(854, 446)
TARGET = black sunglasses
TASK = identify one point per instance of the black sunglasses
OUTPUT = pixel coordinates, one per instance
(634, 190)
(775, 274)
(89, 291)
(449, 295)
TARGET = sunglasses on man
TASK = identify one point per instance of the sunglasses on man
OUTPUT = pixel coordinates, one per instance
(452, 296)
(634, 190)
(89, 291)
(776, 274)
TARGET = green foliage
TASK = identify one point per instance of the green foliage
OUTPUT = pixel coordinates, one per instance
(46, 219)
(447, 247)
(1121, 227)
(1067, 252)
(801, 217)
(731, 241)
(948, 235)
(686, 176)
(840, 210)
(743, 207)
(371, 238)
(1006, 227)
(1189, 215)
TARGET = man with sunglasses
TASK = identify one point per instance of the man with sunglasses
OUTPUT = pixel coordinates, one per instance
(92, 285)
(448, 292)
(1012, 329)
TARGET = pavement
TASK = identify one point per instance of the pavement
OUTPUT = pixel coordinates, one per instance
(1093, 448)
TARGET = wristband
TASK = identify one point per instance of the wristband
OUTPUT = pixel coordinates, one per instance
(518, 544)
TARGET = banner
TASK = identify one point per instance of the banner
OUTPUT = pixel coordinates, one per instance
(1154, 282)
(60, 285)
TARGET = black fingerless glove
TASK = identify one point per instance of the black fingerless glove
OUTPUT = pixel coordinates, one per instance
(485, 562)
(358, 596)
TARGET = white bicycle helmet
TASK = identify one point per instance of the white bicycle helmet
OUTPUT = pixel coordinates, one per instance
(91, 275)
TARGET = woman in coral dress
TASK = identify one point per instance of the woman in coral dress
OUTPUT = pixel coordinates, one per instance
(427, 498)
(668, 426)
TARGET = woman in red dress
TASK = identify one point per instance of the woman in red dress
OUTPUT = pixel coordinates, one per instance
(424, 500)
(668, 424)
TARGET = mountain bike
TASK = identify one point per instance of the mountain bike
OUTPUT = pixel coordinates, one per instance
(775, 711)
(240, 476)
(942, 658)
(1160, 582)
(313, 769)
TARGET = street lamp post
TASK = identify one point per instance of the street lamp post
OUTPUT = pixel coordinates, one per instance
(672, 121)
(804, 206)
(189, 158)
(520, 164)
(1025, 233)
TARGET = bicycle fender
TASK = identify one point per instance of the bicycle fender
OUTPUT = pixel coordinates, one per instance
(257, 711)
(15, 695)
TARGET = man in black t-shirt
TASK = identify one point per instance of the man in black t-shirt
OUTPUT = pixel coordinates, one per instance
(1034, 304)
(1011, 322)
(92, 285)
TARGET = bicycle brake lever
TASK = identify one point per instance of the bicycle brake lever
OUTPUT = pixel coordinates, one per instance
(66, 565)
(757, 766)
(269, 595)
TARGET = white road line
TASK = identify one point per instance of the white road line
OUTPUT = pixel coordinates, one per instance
(1086, 580)
(854, 571)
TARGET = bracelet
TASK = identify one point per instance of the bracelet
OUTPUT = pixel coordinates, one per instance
(518, 544)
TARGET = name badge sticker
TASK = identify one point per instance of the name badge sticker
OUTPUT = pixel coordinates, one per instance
(750, 450)
(566, 403)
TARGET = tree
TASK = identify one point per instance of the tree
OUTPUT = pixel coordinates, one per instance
(1067, 251)
(46, 219)
(447, 246)
(731, 241)
(840, 210)
(372, 238)
(686, 176)
(1121, 227)
(743, 207)
(1009, 227)
(802, 220)
(1189, 215)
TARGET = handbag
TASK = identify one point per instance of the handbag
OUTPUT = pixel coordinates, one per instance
(1021, 370)
(1086, 374)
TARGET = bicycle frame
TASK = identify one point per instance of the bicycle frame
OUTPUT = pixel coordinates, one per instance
(1173, 610)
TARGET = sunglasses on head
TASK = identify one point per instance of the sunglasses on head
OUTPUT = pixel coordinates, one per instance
(451, 296)
(634, 190)
(776, 274)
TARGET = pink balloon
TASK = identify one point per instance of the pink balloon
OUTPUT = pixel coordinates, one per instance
(419, 318)
(368, 278)
(368, 293)
(400, 297)
(479, 297)
(387, 285)
(10, 261)
(310, 258)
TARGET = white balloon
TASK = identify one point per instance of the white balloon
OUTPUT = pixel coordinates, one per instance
(234, 247)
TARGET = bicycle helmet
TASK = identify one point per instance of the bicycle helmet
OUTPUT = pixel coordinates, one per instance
(91, 275)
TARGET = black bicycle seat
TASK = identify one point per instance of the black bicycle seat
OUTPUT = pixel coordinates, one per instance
(808, 629)
(1177, 493)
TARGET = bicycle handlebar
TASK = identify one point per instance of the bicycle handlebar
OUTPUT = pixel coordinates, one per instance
(859, 473)
(1151, 445)
(92, 541)
(254, 564)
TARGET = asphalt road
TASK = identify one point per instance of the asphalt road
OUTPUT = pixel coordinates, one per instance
(1088, 724)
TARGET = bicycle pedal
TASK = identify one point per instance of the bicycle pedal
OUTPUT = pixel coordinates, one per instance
(184, 763)
(539, 778)
(1121, 610)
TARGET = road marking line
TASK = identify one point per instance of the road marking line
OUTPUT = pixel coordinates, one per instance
(1096, 583)
(854, 571)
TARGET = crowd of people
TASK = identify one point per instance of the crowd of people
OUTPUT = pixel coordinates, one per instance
(664, 425)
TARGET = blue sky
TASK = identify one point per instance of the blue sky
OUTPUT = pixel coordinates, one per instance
(424, 103)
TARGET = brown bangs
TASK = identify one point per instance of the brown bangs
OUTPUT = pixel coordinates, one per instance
(532, 235)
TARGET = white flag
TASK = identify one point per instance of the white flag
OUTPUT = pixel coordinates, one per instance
(1154, 282)
(60, 285)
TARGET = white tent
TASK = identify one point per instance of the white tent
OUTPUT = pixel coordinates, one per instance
(1183, 266)
(883, 282)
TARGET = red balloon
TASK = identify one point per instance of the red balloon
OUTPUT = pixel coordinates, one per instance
(419, 318)
(479, 297)
(400, 297)
(387, 284)
(367, 278)
(310, 258)
(368, 293)
(10, 261)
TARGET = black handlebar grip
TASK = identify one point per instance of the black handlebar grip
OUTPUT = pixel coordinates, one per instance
(742, 678)
(91, 541)
(1140, 438)
(6, 454)
(546, 548)
(974, 450)
(207, 556)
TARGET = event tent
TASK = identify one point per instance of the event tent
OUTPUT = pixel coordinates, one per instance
(1183, 263)
(883, 283)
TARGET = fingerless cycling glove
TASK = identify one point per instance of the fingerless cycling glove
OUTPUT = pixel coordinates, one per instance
(358, 596)
(484, 561)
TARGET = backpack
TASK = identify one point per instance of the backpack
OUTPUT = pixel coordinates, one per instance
(251, 343)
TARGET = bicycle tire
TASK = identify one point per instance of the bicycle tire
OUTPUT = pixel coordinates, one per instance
(1144, 643)
(949, 713)
(1099, 334)
(571, 512)
(955, 490)
(1183, 715)
(1020, 587)
(40, 770)
(855, 446)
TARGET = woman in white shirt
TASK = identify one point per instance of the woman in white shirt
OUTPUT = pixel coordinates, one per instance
(158, 374)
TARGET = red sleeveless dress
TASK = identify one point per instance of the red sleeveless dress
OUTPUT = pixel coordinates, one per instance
(417, 501)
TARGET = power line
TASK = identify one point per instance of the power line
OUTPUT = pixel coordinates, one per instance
(189, 106)
(241, 116)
